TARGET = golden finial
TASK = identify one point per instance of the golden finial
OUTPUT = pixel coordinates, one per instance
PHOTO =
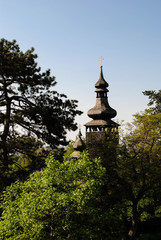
(101, 59)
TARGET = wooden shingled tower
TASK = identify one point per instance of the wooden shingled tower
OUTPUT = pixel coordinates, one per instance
(78, 146)
(98, 129)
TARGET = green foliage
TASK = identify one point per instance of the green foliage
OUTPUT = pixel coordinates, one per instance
(154, 100)
(29, 107)
(63, 201)
(28, 156)
(139, 168)
(69, 151)
(84, 199)
(155, 236)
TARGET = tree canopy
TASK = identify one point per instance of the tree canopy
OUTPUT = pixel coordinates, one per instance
(63, 201)
(154, 100)
(92, 199)
(139, 169)
(29, 106)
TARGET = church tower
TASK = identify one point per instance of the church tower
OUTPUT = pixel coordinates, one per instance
(78, 146)
(100, 127)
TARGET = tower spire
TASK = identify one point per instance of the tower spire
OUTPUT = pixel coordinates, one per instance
(101, 83)
(101, 113)
(98, 128)
(79, 145)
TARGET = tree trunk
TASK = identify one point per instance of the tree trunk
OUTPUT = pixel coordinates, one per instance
(133, 230)
(5, 134)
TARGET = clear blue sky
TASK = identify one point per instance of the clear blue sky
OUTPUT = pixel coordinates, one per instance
(70, 35)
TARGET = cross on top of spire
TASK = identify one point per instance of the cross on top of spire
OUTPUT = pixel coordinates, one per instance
(101, 59)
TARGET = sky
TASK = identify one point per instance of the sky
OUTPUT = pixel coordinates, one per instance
(69, 36)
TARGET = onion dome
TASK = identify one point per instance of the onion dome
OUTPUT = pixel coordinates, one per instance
(101, 83)
(101, 113)
(78, 146)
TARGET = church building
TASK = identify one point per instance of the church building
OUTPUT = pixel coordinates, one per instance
(101, 125)
(99, 129)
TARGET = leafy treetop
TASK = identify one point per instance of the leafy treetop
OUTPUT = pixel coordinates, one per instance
(28, 104)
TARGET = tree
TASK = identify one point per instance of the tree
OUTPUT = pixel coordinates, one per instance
(62, 201)
(28, 104)
(154, 99)
(139, 170)
(28, 156)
